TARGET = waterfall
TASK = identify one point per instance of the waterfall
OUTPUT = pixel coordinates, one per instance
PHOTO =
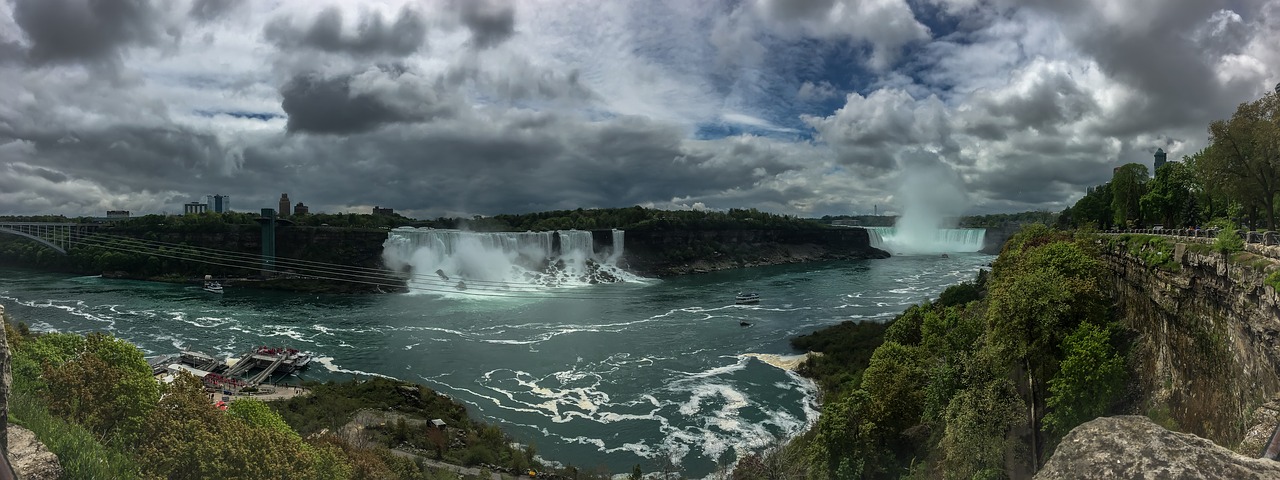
(456, 260)
(941, 240)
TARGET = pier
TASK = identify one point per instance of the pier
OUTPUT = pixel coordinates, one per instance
(215, 373)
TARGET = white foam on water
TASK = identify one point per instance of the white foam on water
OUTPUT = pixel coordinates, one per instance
(327, 363)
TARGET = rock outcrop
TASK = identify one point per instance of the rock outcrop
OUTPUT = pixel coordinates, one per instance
(30, 459)
(1135, 447)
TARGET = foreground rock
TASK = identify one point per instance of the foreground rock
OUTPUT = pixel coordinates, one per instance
(1135, 447)
(31, 460)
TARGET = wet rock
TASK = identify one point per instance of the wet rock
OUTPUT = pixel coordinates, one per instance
(1135, 447)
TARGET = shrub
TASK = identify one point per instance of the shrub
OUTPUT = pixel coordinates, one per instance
(1228, 242)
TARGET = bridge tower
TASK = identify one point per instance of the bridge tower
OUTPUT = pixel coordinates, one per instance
(268, 222)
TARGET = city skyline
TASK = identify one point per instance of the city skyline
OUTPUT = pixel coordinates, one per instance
(444, 108)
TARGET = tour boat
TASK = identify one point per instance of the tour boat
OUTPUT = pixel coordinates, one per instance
(212, 287)
(747, 298)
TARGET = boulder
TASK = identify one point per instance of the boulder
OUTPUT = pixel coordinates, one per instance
(31, 460)
(1135, 447)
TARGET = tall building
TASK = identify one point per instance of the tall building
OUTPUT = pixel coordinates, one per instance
(117, 214)
(300, 209)
(1160, 159)
(284, 204)
(219, 203)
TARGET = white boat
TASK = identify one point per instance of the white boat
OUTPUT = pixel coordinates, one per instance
(747, 298)
(212, 287)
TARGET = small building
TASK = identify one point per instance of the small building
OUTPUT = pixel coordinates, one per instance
(438, 423)
(383, 211)
(284, 205)
(117, 214)
(194, 207)
(300, 209)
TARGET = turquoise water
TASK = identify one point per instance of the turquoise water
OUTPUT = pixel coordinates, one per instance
(616, 375)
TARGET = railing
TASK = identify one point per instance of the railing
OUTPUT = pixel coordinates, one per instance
(1266, 244)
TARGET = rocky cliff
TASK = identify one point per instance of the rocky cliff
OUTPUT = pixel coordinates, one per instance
(1134, 447)
(1206, 352)
(665, 253)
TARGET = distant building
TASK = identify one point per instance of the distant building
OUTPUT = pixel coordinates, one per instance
(284, 204)
(847, 223)
(117, 214)
(300, 209)
(383, 211)
(219, 203)
(194, 207)
(1160, 160)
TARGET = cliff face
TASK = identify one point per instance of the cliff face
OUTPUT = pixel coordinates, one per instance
(665, 253)
(1207, 352)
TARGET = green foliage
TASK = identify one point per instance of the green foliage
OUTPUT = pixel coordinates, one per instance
(80, 453)
(188, 438)
(1089, 379)
(844, 444)
(258, 414)
(1094, 209)
(1169, 197)
(895, 379)
(1274, 280)
(1228, 242)
(1241, 157)
(978, 420)
(1152, 250)
(846, 351)
(1128, 185)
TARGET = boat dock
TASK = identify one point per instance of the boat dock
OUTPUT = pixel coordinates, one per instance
(262, 361)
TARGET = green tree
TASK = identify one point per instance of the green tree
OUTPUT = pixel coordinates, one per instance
(1088, 380)
(1244, 154)
(1128, 185)
(1169, 196)
(107, 387)
(1047, 291)
(844, 444)
(1095, 207)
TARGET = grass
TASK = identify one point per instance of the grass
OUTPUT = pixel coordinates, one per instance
(1274, 280)
(1152, 250)
(80, 453)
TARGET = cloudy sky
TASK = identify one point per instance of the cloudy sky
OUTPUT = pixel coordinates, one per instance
(463, 107)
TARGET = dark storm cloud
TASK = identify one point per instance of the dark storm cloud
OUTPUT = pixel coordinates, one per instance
(1169, 54)
(373, 34)
(47, 174)
(525, 162)
(491, 21)
(207, 10)
(1052, 100)
(359, 102)
(92, 30)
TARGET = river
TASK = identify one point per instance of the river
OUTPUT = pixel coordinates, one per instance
(601, 375)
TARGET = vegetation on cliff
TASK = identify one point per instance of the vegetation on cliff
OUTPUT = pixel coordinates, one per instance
(979, 384)
(93, 401)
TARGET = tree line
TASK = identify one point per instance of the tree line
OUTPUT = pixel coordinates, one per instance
(1233, 181)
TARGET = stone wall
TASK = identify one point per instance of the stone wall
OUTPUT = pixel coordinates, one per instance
(1207, 350)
